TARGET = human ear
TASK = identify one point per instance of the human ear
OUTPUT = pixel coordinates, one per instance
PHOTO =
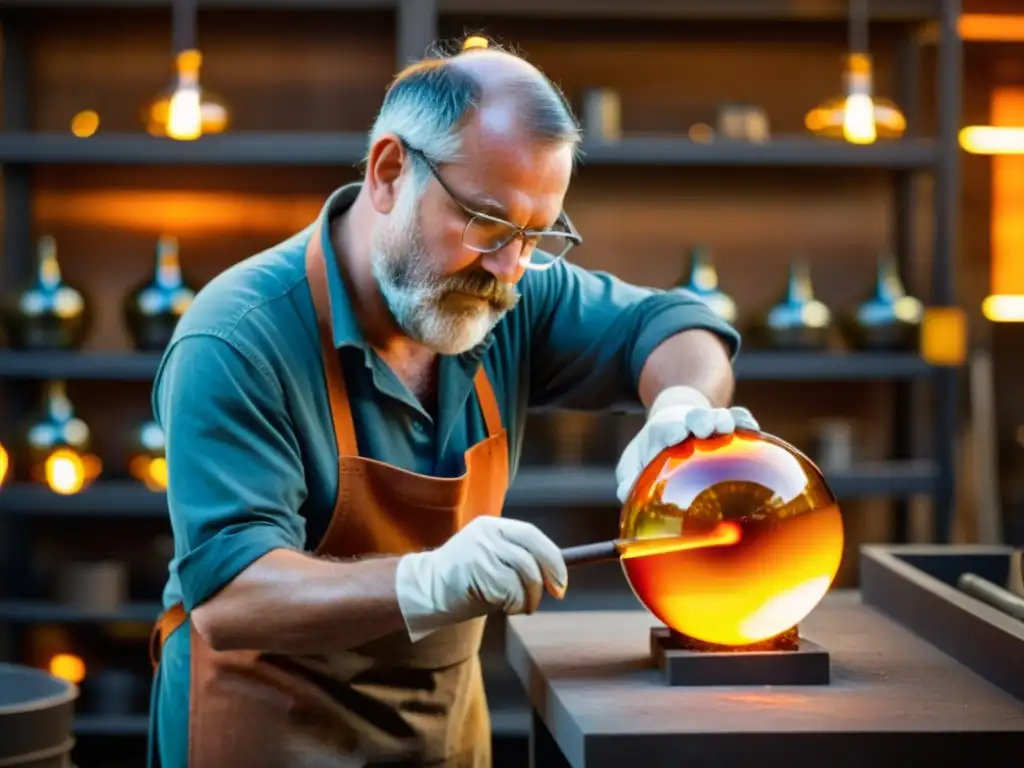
(386, 159)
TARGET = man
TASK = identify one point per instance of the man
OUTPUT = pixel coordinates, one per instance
(343, 414)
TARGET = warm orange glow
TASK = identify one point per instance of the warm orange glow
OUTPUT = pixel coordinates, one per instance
(992, 140)
(68, 667)
(151, 472)
(785, 559)
(67, 472)
(944, 335)
(992, 27)
(5, 463)
(1006, 303)
(85, 123)
(184, 213)
(858, 116)
(186, 111)
(721, 535)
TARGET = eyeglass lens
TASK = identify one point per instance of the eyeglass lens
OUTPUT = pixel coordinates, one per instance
(485, 235)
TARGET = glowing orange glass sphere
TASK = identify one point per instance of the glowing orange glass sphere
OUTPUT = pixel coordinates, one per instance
(781, 554)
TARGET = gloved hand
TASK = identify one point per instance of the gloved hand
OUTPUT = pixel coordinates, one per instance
(676, 414)
(491, 564)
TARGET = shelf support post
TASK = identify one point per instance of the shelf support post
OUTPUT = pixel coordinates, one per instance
(947, 247)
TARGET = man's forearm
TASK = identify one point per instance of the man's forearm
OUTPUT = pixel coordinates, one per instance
(695, 358)
(291, 603)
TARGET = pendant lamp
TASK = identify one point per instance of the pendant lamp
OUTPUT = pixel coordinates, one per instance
(857, 116)
(185, 110)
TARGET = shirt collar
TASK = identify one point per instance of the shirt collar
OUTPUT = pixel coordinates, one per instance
(344, 324)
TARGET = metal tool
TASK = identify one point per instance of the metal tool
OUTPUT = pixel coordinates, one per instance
(991, 593)
(723, 534)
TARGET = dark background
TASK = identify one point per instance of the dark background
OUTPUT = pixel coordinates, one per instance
(322, 67)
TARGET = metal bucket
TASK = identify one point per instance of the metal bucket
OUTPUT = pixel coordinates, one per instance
(36, 718)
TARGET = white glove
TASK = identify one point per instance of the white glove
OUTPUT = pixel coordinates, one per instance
(492, 563)
(676, 414)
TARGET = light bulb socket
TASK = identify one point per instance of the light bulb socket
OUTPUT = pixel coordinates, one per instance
(188, 63)
(858, 75)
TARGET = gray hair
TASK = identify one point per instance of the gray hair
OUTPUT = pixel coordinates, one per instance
(428, 102)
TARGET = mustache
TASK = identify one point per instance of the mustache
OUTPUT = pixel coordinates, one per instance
(485, 286)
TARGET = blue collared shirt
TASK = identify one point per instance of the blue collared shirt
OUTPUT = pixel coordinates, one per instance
(240, 395)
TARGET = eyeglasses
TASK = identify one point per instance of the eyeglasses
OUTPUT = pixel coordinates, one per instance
(486, 234)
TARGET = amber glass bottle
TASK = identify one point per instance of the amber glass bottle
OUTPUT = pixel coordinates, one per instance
(889, 319)
(51, 314)
(152, 309)
(701, 279)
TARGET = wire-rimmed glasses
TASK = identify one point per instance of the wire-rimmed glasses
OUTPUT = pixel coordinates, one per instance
(484, 233)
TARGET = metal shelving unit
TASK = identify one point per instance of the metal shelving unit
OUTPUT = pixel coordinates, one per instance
(416, 24)
(750, 366)
(533, 487)
(345, 149)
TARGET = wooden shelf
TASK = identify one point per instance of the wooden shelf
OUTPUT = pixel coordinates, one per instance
(534, 487)
(831, 366)
(346, 149)
(780, 152)
(751, 366)
(240, 5)
(112, 366)
(42, 611)
(766, 10)
(111, 725)
(253, 149)
(755, 10)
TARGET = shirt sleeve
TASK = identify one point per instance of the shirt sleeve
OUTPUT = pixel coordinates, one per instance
(235, 473)
(591, 332)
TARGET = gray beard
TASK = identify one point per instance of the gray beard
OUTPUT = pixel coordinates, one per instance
(414, 295)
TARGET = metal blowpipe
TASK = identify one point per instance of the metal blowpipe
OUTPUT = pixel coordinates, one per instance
(991, 593)
(723, 534)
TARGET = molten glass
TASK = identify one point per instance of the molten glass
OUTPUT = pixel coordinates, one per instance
(767, 530)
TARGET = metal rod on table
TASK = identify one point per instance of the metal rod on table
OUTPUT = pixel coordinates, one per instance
(991, 593)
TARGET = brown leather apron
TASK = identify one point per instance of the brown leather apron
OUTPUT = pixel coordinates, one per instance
(389, 701)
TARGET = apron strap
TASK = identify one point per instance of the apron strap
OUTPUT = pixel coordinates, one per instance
(316, 273)
(166, 623)
(488, 402)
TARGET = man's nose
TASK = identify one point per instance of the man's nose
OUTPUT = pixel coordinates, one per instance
(506, 263)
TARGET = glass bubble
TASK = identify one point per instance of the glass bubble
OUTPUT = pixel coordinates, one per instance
(732, 591)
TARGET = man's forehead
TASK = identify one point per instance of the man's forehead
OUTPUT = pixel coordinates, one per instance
(505, 169)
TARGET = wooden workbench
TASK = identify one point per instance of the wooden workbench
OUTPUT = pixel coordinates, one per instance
(598, 701)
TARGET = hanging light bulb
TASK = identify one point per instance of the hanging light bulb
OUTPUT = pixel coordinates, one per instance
(859, 109)
(184, 114)
(858, 116)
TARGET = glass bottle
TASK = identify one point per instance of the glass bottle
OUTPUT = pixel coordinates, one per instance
(59, 443)
(51, 315)
(702, 281)
(799, 321)
(147, 460)
(152, 309)
(890, 319)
